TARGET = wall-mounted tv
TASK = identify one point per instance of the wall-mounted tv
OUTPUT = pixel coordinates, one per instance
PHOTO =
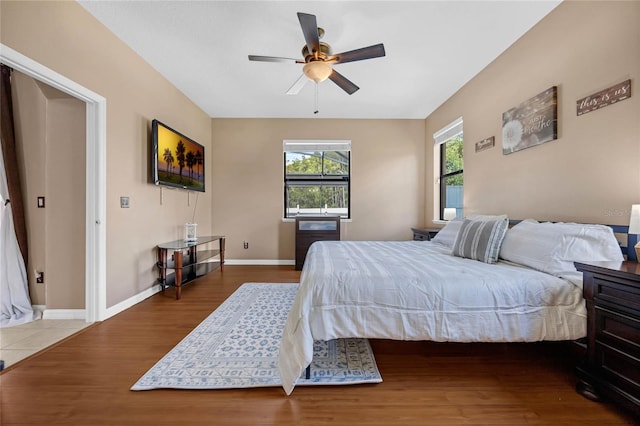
(178, 161)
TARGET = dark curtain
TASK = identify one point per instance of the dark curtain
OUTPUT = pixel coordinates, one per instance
(11, 161)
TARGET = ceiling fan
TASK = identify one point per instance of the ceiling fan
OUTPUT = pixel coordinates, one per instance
(318, 58)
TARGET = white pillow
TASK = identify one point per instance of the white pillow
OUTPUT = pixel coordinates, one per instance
(447, 235)
(553, 247)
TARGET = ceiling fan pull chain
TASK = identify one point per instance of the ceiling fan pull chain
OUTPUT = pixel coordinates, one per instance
(316, 111)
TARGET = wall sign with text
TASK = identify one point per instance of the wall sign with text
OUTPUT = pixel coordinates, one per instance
(485, 144)
(533, 122)
(603, 98)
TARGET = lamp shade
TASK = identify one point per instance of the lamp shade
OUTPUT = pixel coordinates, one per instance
(634, 222)
(449, 213)
(317, 71)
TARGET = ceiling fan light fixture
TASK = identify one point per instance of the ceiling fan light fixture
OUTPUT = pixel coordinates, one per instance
(317, 71)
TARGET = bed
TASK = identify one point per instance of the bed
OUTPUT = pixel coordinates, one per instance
(477, 281)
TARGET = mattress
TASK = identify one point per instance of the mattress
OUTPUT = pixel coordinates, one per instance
(416, 290)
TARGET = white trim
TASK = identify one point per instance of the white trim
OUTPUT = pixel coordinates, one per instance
(96, 213)
(259, 262)
(126, 304)
(449, 131)
(293, 219)
(96, 160)
(436, 183)
(304, 145)
(133, 300)
(40, 72)
(39, 308)
(64, 314)
(443, 135)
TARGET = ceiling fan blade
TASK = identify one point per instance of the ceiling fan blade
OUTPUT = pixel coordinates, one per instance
(298, 85)
(310, 31)
(375, 51)
(273, 59)
(342, 82)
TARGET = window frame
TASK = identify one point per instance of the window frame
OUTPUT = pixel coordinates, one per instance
(441, 138)
(320, 180)
(444, 175)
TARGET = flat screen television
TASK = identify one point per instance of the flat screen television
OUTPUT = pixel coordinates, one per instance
(178, 161)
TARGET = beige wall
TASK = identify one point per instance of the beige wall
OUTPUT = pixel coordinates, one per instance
(61, 35)
(50, 142)
(591, 173)
(387, 190)
(30, 113)
(65, 204)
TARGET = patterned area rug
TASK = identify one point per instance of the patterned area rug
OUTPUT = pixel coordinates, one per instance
(237, 347)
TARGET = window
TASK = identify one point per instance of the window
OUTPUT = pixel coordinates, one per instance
(316, 178)
(448, 154)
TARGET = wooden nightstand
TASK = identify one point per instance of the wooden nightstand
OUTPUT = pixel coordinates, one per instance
(612, 365)
(424, 234)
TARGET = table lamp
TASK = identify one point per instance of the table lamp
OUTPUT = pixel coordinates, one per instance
(634, 229)
(449, 213)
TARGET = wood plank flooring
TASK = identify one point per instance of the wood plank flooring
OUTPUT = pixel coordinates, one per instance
(85, 379)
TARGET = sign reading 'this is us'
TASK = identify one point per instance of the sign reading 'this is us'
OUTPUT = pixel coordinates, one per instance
(603, 98)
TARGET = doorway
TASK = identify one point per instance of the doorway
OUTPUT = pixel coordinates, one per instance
(95, 175)
(50, 149)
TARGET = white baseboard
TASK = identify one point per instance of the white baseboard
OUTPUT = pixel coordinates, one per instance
(64, 314)
(126, 304)
(259, 262)
(81, 313)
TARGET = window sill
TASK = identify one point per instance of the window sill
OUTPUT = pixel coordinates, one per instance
(293, 219)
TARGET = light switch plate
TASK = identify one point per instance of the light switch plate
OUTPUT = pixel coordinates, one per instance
(124, 202)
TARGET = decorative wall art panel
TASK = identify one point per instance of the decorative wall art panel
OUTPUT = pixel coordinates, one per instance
(533, 122)
(603, 98)
(485, 144)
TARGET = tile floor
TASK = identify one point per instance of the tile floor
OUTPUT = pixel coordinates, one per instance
(17, 343)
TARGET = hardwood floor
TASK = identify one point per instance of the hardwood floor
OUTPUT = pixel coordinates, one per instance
(85, 379)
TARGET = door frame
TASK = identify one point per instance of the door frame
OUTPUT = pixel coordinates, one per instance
(96, 189)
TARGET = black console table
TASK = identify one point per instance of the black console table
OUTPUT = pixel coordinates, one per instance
(189, 260)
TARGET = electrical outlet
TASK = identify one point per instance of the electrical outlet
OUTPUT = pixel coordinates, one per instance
(246, 245)
(39, 277)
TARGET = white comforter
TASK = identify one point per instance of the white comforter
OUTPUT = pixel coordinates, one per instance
(416, 290)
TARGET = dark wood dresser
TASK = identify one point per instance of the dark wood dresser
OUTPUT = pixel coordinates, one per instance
(312, 229)
(611, 369)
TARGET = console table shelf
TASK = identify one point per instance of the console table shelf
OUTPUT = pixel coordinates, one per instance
(189, 261)
(189, 274)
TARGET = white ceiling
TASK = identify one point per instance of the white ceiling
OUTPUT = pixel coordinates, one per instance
(432, 49)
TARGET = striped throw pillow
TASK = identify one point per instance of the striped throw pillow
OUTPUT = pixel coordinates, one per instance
(481, 238)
